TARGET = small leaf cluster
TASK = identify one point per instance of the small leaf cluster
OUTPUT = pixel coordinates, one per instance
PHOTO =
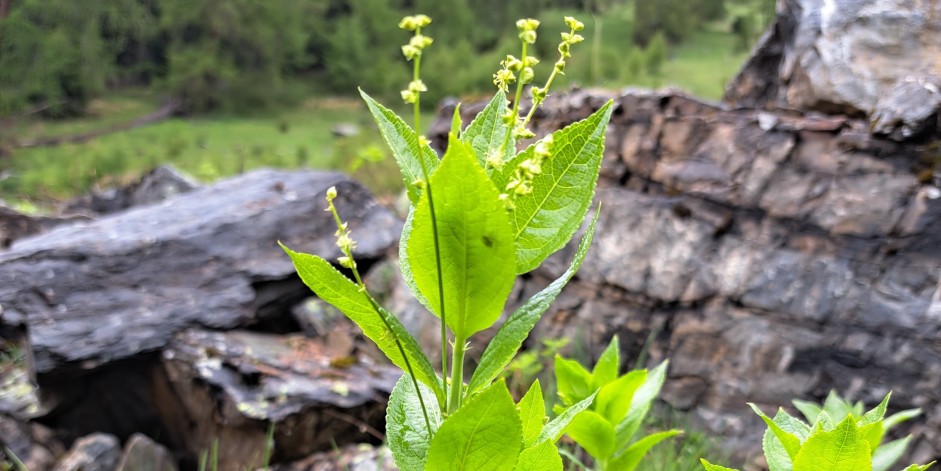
(608, 428)
(834, 406)
(847, 440)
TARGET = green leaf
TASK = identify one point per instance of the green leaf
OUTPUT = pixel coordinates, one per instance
(838, 408)
(401, 139)
(405, 265)
(542, 457)
(919, 467)
(573, 381)
(887, 455)
(501, 350)
(554, 429)
(842, 449)
(615, 398)
(475, 241)
(593, 433)
(485, 434)
(641, 403)
(606, 369)
(487, 133)
(545, 219)
(456, 121)
(631, 457)
(899, 417)
(712, 467)
(791, 442)
(337, 290)
(775, 453)
(532, 414)
(407, 433)
(872, 433)
(810, 410)
(824, 422)
(876, 414)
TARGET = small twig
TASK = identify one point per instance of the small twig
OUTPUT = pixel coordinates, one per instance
(363, 426)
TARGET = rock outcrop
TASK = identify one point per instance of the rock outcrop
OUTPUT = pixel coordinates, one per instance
(874, 58)
(124, 323)
(768, 255)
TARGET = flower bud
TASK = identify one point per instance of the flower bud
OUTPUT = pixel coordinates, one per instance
(528, 36)
(526, 75)
(410, 52)
(420, 41)
(331, 194)
(417, 86)
(574, 24)
(527, 24)
(523, 133)
(409, 23)
(530, 61)
(539, 94)
(422, 20)
(512, 63)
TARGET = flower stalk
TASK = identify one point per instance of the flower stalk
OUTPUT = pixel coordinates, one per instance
(413, 52)
(347, 245)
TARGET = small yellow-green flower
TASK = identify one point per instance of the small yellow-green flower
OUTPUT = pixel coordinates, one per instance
(574, 24)
(503, 78)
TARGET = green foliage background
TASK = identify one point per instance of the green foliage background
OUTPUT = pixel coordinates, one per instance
(56, 55)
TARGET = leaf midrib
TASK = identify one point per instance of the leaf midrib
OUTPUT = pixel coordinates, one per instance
(555, 184)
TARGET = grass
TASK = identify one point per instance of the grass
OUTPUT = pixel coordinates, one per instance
(207, 148)
(704, 65)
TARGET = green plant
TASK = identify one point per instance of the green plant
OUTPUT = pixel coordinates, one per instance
(480, 216)
(528, 365)
(607, 429)
(837, 408)
(851, 445)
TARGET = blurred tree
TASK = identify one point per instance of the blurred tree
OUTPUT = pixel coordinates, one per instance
(232, 53)
(634, 64)
(362, 49)
(656, 54)
(57, 54)
(674, 18)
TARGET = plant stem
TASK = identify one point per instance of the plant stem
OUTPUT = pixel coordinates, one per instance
(416, 109)
(382, 315)
(457, 374)
(516, 104)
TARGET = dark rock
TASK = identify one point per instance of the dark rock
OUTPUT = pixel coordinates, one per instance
(123, 285)
(160, 184)
(16, 225)
(143, 454)
(96, 452)
(847, 56)
(348, 458)
(908, 110)
(231, 386)
(770, 255)
(99, 300)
